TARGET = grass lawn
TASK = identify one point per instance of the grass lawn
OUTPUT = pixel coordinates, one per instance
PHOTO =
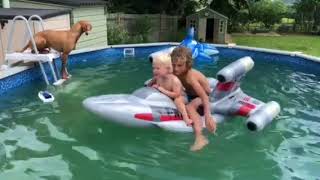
(307, 44)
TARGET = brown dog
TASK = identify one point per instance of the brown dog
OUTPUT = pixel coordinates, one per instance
(61, 41)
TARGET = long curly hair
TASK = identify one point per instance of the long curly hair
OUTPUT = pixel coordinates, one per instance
(182, 53)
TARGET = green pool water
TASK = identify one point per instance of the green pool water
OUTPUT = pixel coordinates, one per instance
(63, 141)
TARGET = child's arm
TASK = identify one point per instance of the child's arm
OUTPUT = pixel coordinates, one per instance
(176, 91)
(201, 92)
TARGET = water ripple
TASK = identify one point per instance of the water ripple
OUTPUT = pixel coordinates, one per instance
(53, 167)
(23, 137)
(53, 131)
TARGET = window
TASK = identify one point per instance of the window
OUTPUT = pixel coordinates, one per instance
(193, 24)
(221, 26)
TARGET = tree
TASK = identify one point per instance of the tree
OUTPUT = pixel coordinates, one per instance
(171, 7)
(307, 13)
(238, 11)
(268, 12)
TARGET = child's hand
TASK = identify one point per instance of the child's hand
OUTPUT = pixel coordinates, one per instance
(161, 89)
(188, 122)
(155, 86)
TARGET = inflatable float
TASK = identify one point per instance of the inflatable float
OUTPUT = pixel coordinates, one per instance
(201, 52)
(147, 107)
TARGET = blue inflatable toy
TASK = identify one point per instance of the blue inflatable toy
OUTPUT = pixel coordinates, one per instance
(201, 52)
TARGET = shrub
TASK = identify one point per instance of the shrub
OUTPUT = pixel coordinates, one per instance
(141, 28)
(117, 34)
(236, 29)
(260, 30)
(284, 28)
(136, 39)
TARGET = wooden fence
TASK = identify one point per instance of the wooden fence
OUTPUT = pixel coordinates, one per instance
(164, 27)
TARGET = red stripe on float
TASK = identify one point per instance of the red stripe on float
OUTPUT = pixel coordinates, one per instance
(245, 109)
(225, 86)
(169, 118)
(251, 106)
(144, 116)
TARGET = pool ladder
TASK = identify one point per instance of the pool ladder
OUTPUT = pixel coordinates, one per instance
(10, 39)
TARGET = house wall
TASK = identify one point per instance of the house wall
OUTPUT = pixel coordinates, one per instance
(216, 34)
(97, 16)
(20, 37)
(35, 5)
(202, 28)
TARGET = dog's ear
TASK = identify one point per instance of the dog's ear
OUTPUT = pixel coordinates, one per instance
(89, 27)
(86, 27)
(83, 27)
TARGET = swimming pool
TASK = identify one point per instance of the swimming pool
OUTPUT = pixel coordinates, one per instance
(63, 141)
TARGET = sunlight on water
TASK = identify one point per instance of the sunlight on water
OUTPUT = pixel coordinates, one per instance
(53, 131)
(63, 141)
(38, 168)
(87, 152)
(22, 137)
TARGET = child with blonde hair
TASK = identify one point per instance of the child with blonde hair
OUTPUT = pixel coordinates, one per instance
(169, 84)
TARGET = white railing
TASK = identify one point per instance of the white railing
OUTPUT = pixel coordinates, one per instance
(29, 34)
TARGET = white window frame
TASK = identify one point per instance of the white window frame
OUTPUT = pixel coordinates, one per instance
(221, 26)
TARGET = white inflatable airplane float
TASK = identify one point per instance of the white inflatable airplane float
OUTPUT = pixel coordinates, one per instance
(147, 107)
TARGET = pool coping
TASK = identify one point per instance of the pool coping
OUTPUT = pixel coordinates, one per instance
(273, 51)
(17, 69)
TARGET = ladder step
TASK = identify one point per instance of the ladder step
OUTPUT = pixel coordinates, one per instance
(30, 57)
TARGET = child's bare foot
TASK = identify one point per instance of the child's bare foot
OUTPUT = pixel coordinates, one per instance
(199, 143)
(66, 75)
(211, 125)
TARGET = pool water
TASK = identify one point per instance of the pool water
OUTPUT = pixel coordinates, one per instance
(63, 141)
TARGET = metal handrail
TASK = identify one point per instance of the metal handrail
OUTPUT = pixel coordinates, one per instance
(30, 19)
(37, 17)
(42, 26)
(11, 32)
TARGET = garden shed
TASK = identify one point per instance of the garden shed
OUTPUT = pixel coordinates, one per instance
(91, 10)
(209, 25)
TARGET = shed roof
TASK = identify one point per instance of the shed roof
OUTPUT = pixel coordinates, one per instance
(10, 13)
(208, 10)
(73, 2)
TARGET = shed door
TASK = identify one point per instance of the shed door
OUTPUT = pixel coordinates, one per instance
(210, 29)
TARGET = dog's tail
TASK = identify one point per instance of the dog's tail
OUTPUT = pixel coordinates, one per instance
(25, 48)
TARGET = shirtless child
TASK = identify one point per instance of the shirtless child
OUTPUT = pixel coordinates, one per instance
(198, 89)
(169, 84)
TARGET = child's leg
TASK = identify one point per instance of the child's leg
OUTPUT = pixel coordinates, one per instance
(179, 102)
(200, 140)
